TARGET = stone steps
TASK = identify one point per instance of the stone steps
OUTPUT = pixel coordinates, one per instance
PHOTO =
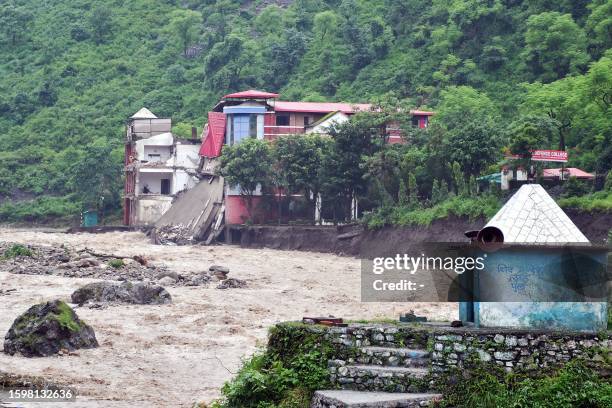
(393, 357)
(380, 378)
(375, 373)
(362, 399)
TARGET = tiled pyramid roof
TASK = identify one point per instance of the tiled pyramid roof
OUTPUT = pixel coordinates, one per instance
(532, 216)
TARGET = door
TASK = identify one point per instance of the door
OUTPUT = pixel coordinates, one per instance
(165, 187)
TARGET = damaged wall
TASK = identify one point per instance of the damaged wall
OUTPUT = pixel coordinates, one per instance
(151, 208)
(158, 166)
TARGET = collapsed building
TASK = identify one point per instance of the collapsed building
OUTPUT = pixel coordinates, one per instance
(159, 165)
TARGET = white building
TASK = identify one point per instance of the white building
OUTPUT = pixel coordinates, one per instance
(158, 166)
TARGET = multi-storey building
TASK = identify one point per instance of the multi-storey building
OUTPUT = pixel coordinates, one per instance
(158, 165)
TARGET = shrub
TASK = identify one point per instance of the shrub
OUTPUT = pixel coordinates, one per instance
(575, 385)
(17, 250)
(473, 207)
(285, 375)
(41, 209)
(600, 201)
(116, 263)
(575, 188)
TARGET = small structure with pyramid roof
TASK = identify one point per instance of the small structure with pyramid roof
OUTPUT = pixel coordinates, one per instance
(143, 113)
(531, 217)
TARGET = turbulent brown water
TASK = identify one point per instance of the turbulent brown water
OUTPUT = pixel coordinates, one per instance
(174, 355)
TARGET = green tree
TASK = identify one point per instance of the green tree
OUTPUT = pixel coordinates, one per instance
(532, 132)
(474, 146)
(247, 166)
(185, 24)
(459, 180)
(555, 46)
(343, 173)
(599, 26)
(463, 104)
(444, 193)
(15, 22)
(297, 162)
(435, 192)
(96, 176)
(383, 168)
(101, 21)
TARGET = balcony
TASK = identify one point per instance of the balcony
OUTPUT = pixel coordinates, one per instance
(272, 132)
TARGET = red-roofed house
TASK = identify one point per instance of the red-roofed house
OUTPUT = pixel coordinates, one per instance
(568, 172)
(259, 114)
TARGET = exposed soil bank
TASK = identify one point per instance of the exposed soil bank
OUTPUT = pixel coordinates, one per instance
(354, 240)
(595, 226)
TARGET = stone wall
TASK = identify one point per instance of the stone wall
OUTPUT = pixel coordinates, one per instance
(525, 349)
(441, 348)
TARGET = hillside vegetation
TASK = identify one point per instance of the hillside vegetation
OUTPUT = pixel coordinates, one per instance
(500, 74)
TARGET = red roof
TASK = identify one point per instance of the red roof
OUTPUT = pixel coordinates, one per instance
(573, 172)
(214, 135)
(320, 107)
(252, 94)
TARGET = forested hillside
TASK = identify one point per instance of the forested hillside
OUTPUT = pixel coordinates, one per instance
(528, 73)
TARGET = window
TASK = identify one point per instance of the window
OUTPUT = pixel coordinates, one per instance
(306, 121)
(415, 121)
(165, 186)
(241, 127)
(253, 126)
(154, 157)
(282, 120)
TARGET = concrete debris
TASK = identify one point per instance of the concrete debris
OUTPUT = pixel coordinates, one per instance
(66, 262)
(196, 215)
(139, 293)
(174, 235)
(219, 268)
(168, 274)
(59, 261)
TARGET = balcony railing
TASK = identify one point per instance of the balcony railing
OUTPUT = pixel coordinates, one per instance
(273, 131)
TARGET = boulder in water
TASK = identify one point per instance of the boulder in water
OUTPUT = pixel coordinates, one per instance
(46, 329)
(125, 292)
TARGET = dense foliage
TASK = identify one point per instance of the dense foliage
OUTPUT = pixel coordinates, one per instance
(575, 385)
(498, 73)
(294, 365)
(285, 374)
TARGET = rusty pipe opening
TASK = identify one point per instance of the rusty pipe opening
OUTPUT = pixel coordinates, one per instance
(489, 235)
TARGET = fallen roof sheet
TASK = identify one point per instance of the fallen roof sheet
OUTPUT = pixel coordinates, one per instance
(532, 216)
(214, 135)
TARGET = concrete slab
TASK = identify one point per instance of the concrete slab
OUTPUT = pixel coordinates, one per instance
(362, 399)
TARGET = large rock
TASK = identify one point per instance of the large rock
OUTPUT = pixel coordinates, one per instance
(232, 283)
(218, 272)
(124, 292)
(47, 328)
